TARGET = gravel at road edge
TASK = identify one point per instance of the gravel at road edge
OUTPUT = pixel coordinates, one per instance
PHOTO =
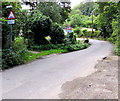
(103, 84)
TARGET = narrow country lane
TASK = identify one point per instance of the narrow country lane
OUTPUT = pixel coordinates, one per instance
(43, 78)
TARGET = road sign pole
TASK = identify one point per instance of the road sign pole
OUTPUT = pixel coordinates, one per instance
(10, 38)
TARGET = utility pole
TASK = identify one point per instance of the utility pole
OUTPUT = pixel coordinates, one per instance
(92, 19)
(92, 23)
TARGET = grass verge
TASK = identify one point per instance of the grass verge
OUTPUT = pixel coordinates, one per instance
(29, 56)
(23, 56)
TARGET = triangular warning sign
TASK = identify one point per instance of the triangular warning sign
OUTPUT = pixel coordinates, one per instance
(11, 16)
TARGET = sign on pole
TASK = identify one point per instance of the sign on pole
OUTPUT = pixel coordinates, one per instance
(11, 15)
(11, 22)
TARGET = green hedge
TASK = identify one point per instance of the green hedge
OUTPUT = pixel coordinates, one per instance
(69, 47)
(95, 34)
(11, 59)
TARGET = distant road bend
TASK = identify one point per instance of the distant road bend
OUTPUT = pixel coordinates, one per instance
(43, 78)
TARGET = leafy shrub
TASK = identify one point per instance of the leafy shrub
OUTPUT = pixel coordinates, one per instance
(57, 34)
(88, 23)
(19, 44)
(117, 50)
(84, 32)
(70, 38)
(10, 59)
(44, 47)
(18, 56)
(114, 38)
(76, 30)
(75, 47)
(95, 34)
(68, 47)
(40, 27)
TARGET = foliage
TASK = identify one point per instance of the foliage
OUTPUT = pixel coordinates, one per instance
(51, 9)
(76, 30)
(68, 47)
(32, 56)
(57, 34)
(108, 12)
(19, 44)
(87, 7)
(88, 24)
(54, 10)
(70, 38)
(19, 22)
(44, 47)
(66, 23)
(117, 49)
(39, 26)
(95, 34)
(66, 9)
(12, 59)
(75, 47)
(84, 32)
(76, 20)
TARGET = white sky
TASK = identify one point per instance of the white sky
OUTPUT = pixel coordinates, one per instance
(75, 2)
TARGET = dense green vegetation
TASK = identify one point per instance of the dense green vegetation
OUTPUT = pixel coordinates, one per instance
(41, 29)
(101, 16)
(16, 58)
(22, 55)
(31, 31)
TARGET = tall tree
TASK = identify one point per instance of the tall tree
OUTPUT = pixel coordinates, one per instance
(51, 9)
(66, 9)
(58, 11)
(86, 8)
(108, 11)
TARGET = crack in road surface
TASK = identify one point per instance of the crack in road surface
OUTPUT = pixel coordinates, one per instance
(43, 78)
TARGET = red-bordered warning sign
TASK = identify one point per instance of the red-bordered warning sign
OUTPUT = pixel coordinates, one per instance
(11, 15)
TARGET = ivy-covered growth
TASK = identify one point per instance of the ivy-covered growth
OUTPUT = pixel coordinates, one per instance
(39, 27)
(57, 34)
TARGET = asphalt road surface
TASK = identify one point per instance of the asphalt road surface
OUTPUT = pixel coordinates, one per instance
(43, 78)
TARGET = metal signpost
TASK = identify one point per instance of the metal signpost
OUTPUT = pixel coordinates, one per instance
(11, 22)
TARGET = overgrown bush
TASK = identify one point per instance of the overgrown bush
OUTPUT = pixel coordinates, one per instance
(70, 38)
(40, 27)
(18, 56)
(117, 48)
(76, 30)
(57, 34)
(84, 32)
(95, 34)
(44, 47)
(75, 47)
(10, 59)
(68, 47)
(19, 44)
